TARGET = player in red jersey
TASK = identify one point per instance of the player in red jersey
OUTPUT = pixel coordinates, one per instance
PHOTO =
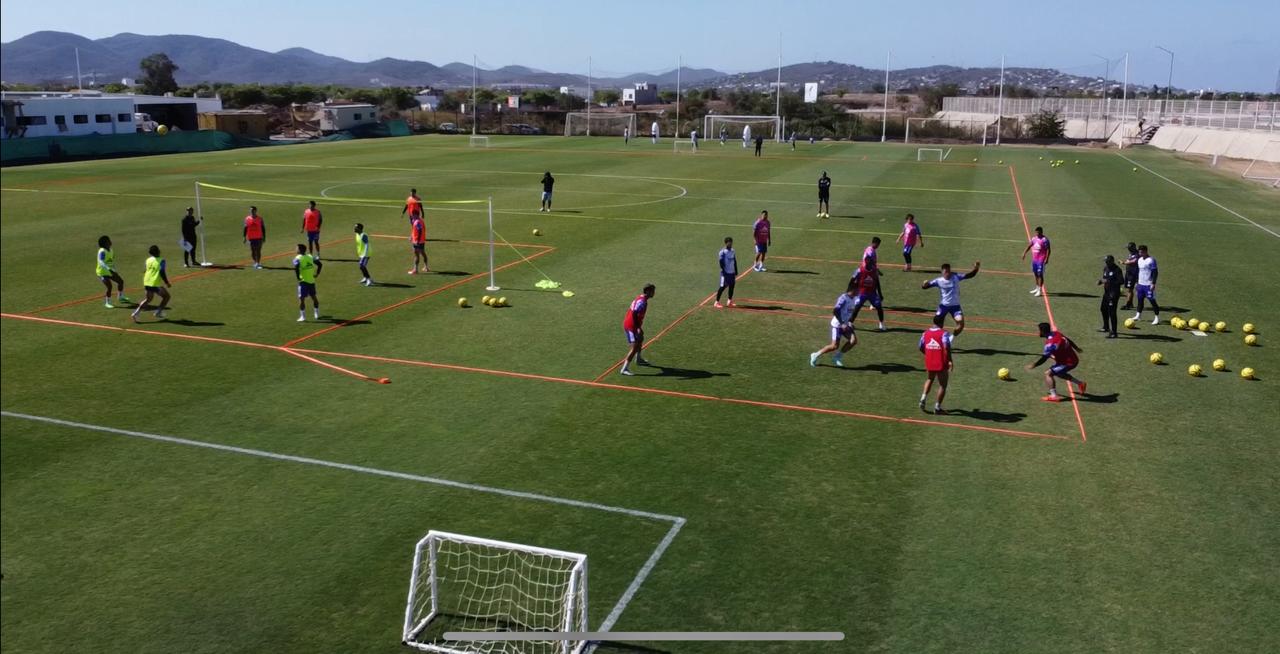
(418, 239)
(762, 231)
(935, 344)
(311, 222)
(867, 280)
(633, 328)
(1063, 350)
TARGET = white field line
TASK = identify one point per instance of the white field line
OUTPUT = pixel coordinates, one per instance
(676, 522)
(1233, 212)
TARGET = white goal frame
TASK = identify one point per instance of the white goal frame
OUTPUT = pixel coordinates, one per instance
(425, 604)
(1274, 164)
(685, 145)
(942, 154)
(478, 141)
(574, 117)
(970, 126)
(710, 121)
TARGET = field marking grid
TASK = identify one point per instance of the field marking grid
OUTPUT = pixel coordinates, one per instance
(677, 523)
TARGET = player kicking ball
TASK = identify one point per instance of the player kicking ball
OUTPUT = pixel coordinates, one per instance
(152, 277)
(306, 268)
(935, 345)
(633, 328)
(841, 329)
(948, 285)
(1063, 351)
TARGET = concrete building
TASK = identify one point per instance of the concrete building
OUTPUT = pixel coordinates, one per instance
(45, 113)
(643, 93)
(428, 99)
(337, 116)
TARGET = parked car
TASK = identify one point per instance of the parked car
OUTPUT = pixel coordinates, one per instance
(447, 128)
(523, 128)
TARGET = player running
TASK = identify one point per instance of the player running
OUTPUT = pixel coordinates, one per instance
(762, 231)
(1039, 249)
(841, 329)
(311, 221)
(412, 205)
(255, 232)
(948, 285)
(105, 266)
(363, 249)
(728, 271)
(935, 344)
(633, 327)
(1130, 273)
(1063, 350)
(1147, 274)
(548, 185)
(189, 223)
(153, 275)
(306, 268)
(910, 238)
(824, 196)
(418, 240)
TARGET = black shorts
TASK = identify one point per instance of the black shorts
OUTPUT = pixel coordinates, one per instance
(823, 197)
(1130, 280)
(151, 289)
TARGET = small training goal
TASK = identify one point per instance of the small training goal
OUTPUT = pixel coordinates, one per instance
(685, 145)
(478, 141)
(1266, 166)
(932, 154)
(769, 127)
(468, 584)
(599, 123)
(950, 130)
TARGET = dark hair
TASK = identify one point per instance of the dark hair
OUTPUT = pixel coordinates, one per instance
(946, 266)
(302, 249)
(313, 203)
(764, 212)
(853, 285)
(154, 250)
(875, 240)
(1039, 229)
(1045, 328)
(1131, 247)
(253, 208)
(939, 319)
(359, 227)
(728, 239)
(1142, 248)
(190, 209)
(413, 190)
(911, 216)
(649, 289)
(103, 241)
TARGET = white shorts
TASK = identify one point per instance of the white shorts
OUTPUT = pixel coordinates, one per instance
(838, 332)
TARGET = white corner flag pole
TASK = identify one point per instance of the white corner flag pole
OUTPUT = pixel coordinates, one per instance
(204, 260)
(493, 285)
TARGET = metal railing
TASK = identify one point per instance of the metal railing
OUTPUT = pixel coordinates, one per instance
(1217, 114)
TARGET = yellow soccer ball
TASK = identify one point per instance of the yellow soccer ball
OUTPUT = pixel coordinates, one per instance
(1001, 161)
(1251, 339)
(1247, 373)
(491, 301)
(1219, 365)
(1077, 162)
(1178, 323)
(462, 302)
(1130, 323)
(502, 302)
(1003, 373)
(1221, 326)
(1135, 169)
(162, 130)
(485, 299)
(1195, 370)
(537, 232)
(1248, 328)
(1156, 358)
(1193, 323)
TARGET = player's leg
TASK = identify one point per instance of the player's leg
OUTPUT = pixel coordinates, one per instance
(633, 351)
(1049, 385)
(959, 318)
(302, 302)
(879, 306)
(164, 301)
(724, 284)
(315, 303)
(1112, 314)
(1155, 307)
(928, 384)
(943, 377)
(733, 283)
(106, 299)
(143, 306)
(1142, 298)
(829, 347)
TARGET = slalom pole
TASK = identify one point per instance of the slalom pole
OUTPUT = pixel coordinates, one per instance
(204, 260)
(493, 284)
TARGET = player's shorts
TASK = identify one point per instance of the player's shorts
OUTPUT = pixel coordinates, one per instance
(1037, 268)
(306, 289)
(632, 335)
(151, 289)
(364, 261)
(872, 299)
(1130, 280)
(1060, 370)
(823, 196)
(906, 249)
(106, 278)
(952, 310)
(727, 280)
(762, 248)
(1145, 292)
(313, 237)
(419, 247)
(838, 332)
(546, 196)
(255, 242)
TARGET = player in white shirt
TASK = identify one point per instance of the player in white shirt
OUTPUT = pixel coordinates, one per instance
(746, 135)
(1147, 274)
(948, 286)
(841, 328)
(693, 138)
(653, 131)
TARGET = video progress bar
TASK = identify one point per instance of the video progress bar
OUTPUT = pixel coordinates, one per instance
(650, 636)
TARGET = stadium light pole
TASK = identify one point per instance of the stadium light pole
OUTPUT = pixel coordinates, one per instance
(1124, 98)
(679, 65)
(777, 95)
(1169, 84)
(884, 114)
(1000, 101)
(474, 114)
(588, 96)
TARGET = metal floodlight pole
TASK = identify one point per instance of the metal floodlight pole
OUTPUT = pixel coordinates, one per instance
(679, 64)
(588, 96)
(1124, 98)
(493, 284)
(79, 79)
(1169, 85)
(1000, 102)
(884, 114)
(474, 113)
(777, 95)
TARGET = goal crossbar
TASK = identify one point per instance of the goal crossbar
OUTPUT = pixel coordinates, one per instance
(581, 123)
(949, 129)
(710, 124)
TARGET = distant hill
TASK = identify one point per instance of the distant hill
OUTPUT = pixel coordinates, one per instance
(49, 57)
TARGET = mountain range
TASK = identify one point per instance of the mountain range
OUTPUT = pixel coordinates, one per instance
(50, 58)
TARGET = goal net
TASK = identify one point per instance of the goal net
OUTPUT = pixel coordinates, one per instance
(686, 145)
(581, 123)
(932, 154)
(464, 584)
(479, 141)
(1266, 166)
(770, 127)
(950, 130)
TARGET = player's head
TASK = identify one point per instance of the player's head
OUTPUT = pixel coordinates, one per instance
(1142, 250)
(1109, 260)
(312, 203)
(1133, 249)
(824, 174)
(875, 241)
(359, 228)
(104, 241)
(911, 217)
(946, 271)
(728, 241)
(1039, 231)
(649, 290)
(939, 319)
(154, 250)
(546, 174)
(302, 249)
(190, 210)
(253, 211)
(764, 213)
(852, 289)
(1045, 330)
(413, 191)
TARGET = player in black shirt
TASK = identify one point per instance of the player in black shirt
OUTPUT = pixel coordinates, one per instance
(824, 196)
(759, 144)
(1112, 280)
(547, 183)
(189, 223)
(1130, 273)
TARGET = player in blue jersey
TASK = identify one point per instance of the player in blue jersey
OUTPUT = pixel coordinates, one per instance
(948, 285)
(841, 328)
(728, 271)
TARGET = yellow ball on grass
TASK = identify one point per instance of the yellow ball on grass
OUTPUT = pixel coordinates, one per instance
(502, 302)
(1130, 323)
(462, 302)
(1195, 370)
(1221, 326)
(485, 299)
(1247, 373)
(537, 232)
(1251, 339)
(1003, 373)
(1219, 365)
(1156, 358)
(1248, 328)
(1193, 323)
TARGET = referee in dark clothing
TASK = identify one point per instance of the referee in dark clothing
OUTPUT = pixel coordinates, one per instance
(1111, 282)
(1130, 273)
(189, 223)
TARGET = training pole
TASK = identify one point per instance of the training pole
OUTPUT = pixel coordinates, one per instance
(493, 284)
(204, 260)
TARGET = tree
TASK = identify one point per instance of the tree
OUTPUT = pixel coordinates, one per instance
(114, 87)
(933, 96)
(1045, 124)
(608, 96)
(157, 75)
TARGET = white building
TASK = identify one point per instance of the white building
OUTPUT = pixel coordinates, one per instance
(428, 100)
(345, 115)
(574, 91)
(32, 114)
(643, 93)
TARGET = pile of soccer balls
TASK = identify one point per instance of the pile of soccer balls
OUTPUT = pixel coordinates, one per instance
(1204, 327)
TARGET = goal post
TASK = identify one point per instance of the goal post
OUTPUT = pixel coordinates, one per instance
(931, 154)
(770, 127)
(465, 583)
(478, 141)
(950, 130)
(1266, 166)
(581, 123)
(685, 145)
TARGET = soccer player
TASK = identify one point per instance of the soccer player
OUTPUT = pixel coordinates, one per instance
(948, 285)
(152, 276)
(189, 223)
(1147, 274)
(106, 269)
(728, 271)
(626, 136)
(1063, 350)
(746, 136)
(910, 238)
(306, 268)
(633, 327)
(1039, 249)
(1111, 281)
(824, 196)
(724, 134)
(841, 329)
(363, 249)
(311, 222)
(418, 240)
(548, 183)
(1130, 273)
(867, 280)
(412, 205)
(869, 253)
(759, 145)
(793, 140)
(693, 138)
(935, 344)
(653, 131)
(762, 231)
(255, 232)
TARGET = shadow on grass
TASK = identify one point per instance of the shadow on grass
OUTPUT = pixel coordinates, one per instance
(221, 266)
(451, 273)
(987, 416)
(195, 323)
(341, 321)
(795, 272)
(990, 351)
(684, 373)
(911, 309)
(761, 307)
(1066, 294)
(900, 330)
(606, 647)
(328, 259)
(887, 368)
(1159, 338)
(1110, 398)
(391, 285)
(849, 216)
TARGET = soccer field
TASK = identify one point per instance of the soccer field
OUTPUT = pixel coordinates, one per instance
(229, 479)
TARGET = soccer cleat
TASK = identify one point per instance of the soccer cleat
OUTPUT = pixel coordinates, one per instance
(122, 298)
(1051, 398)
(643, 361)
(134, 316)
(1035, 291)
(731, 303)
(1081, 386)
(316, 313)
(820, 214)
(1156, 321)
(302, 318)
(763, 269)
(108, 305)
(938, 410)
(922, 404)
(257, 266)
(627, 371)
(718, 305)
(369, 282)
(413, 272)
(160, 313)
(881, 327)
(813, 360)
(838, 361)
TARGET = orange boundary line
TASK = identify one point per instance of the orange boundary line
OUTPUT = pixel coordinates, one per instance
(1017, 195)
(891, 265)
(548, 378)
(420, 296)
(898, 311)
(677, 321)
(330, 366)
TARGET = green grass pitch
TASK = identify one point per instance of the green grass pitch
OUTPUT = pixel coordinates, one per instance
(1144, 517)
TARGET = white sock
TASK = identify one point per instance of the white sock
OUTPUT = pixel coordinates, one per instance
(923, 397)
(302, 315)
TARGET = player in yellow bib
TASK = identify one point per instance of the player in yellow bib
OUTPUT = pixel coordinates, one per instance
(363, 248)
(306, 268)
(106, 269)
(152, 278)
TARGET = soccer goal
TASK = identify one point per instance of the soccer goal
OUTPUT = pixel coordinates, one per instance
(932, 130)
(478, 141)
(1266, 166)
(685, 145)
(769, 127)
(932, 154)
(464, 584)
(581, 123)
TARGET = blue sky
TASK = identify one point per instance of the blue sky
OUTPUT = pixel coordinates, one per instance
(1227, 44)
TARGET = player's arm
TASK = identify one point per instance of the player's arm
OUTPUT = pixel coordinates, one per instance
(164, 276)
(319, 219)
(245, 232)
(1042, 359)
(1072, 345)
(973, 273)
(1048, 248)
(929, 284)
(919, 236)
(297, 269)
(1155, 273)
(1024, 252)
(319, 266)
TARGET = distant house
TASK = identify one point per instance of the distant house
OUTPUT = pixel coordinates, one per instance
(574, 91)
(43, 113)
(643, 93)
(243, 122)
(428, 100)
(337, 116)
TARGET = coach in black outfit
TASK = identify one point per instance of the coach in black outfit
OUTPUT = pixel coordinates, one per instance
(1112, 280)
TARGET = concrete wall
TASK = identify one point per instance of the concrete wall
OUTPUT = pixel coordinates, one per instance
(1236, 144)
